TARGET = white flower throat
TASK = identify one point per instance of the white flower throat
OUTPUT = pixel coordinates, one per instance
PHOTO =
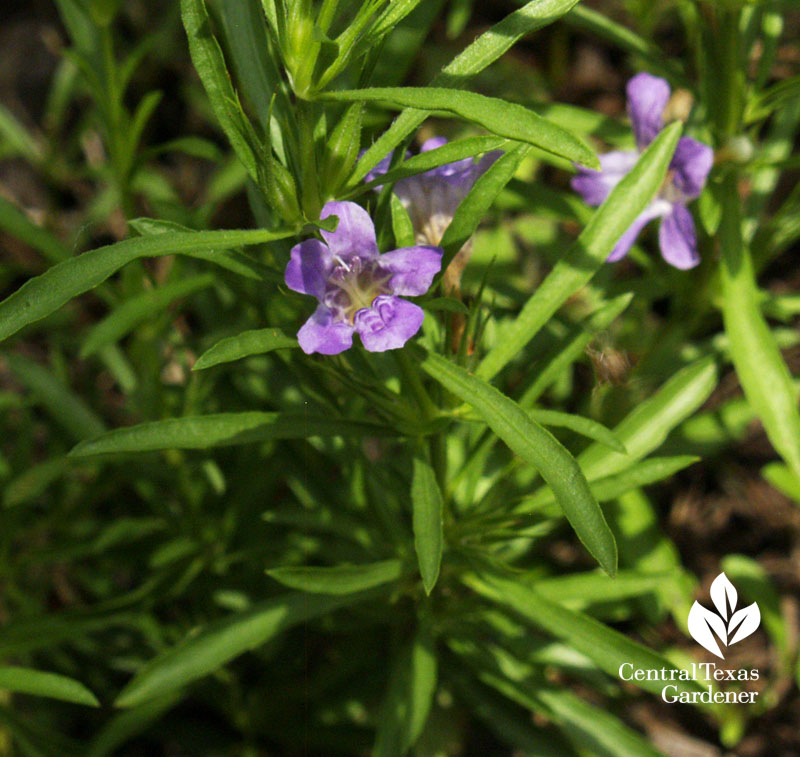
(354, 285)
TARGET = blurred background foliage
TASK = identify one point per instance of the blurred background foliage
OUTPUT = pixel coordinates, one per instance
(108, 562)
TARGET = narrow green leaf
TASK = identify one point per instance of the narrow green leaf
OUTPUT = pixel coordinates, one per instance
(584, 588)
(231, 260)
(601, 26)
(33, 482)
(607, 648)
(255, 342)
(460, 149)
(472, 209)
(610, 487)
(202, 653)
(247, 37)
(126, 725)
(402, 225)
(342, 149)
(764, 376)
(126, 317)
(580, 425)
(409, 697)
(484, 51)
(590, 729)
(44, 294)
(781, 477)
(428, 508)
(16, 139)
(539, 448)
(392, 16)
(500, 117)
(221, 430)
(66, 407)
(571, 347)
(645, 428)
(41, 684)
(210, 65)
(340, 579)
(13, 221)
(588, 253)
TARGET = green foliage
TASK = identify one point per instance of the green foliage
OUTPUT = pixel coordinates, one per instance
(450, 547)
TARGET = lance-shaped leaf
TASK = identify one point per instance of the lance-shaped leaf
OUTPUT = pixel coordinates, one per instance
(538, 447)
(208, 650)
(587, 254)
(427, 504)
(472, 209)
(339, 579)
(255, 342)
(409, 698)
(222, 430)
(210, 65)
(764, 376)
(484, 51)
(42, 684)
(128, 315)
(500, 117)
(40, 296)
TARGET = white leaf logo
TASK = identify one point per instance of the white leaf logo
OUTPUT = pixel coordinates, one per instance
(729, 624)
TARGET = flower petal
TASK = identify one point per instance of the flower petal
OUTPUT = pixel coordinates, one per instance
(322, 333)
(308, 268)
(653, 210)
(413, 268)
(595, 186)
(678, 240)
(378, 170)
(389, 323)
(434, 143)
(647, 97)
(355, 234)
(691, 164)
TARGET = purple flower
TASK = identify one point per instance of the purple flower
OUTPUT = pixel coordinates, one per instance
(431, 198)
(647, 99)
(357, 287)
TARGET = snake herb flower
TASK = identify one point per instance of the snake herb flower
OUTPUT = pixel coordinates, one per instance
(647, 98)
(432, 198)
(358, 288)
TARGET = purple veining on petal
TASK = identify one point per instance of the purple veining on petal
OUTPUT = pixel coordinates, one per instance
(310, 263)
(678, 239)
(324, 334)
(389, 323)
(355, 234)
(691, 165)
(647, 97)
(357, 288)
(595, 186)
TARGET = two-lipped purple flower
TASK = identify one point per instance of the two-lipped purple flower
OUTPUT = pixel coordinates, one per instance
(358, 288)
(431, 198)
(647, 99)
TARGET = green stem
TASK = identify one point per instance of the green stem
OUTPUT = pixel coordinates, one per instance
(311, 202)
